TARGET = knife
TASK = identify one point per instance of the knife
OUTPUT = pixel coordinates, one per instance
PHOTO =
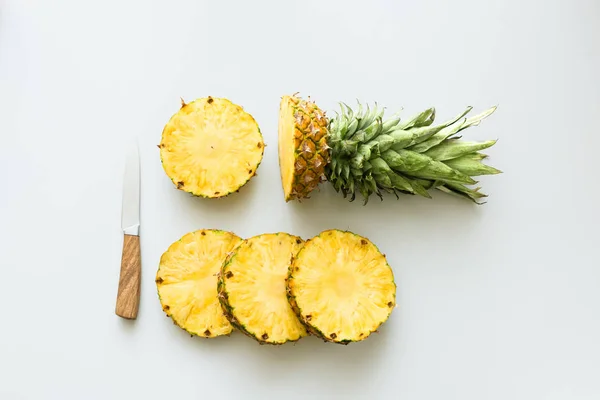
(128, 295)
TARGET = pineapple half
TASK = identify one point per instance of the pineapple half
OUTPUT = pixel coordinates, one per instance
(211, 147)
(361, 152)
(252, 288)
(187, 281)
(341, 287)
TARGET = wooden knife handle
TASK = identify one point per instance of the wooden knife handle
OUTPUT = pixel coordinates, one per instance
(128, 296)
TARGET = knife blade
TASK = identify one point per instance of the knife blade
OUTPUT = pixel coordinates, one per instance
(128, 294)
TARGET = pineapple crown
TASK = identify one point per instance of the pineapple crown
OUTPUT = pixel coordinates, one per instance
(371, 155)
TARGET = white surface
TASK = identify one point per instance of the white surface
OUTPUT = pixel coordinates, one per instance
(496, 302)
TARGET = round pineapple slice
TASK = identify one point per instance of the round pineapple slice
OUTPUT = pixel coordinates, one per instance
(211, 147)
(341, 286)
(252, 288)
(187, 281)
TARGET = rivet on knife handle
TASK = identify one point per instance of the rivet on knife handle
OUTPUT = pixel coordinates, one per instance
(128, 296)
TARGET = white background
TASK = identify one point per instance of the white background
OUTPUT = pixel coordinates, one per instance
(499, 301)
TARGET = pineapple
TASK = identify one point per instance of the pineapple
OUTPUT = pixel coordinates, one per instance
(360, 151)
(211, 147)
(303, 146)
(341, 287)
(187, 281)
(252, 288)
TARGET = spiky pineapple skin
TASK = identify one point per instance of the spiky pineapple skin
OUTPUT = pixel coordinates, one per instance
(161, 280)
(305, 319)
(310, 149)
(231, 119)
(224, 292)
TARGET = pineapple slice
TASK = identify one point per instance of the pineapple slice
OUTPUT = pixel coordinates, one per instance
(252, 288)
(187, 281)
(211, 147)
(341, 287)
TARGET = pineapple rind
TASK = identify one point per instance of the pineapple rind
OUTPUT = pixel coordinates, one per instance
(293, 291)
(255, 247)
(303, 128)
(206, 170)
(217, 324)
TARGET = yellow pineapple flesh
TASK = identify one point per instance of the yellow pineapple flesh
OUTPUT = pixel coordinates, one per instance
(341, 286)
(186, 281)
(211, 147)
(252, 288)
(303, 149)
